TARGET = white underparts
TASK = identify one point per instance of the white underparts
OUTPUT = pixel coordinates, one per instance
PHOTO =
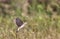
(21, 26)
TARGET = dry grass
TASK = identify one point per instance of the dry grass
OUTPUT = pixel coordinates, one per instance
(40, 25)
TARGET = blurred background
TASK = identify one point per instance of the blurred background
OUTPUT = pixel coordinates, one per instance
(43, 17)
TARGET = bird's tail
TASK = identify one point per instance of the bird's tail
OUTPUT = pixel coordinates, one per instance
(21, 26)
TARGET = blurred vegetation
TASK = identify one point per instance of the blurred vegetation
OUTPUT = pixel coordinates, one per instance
(43, 17)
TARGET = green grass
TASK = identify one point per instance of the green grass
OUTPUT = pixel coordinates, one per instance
(40, 25)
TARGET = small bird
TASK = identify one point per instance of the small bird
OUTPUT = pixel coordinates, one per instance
(20, 23)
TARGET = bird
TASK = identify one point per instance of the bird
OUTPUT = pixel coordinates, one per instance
(20, 23)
